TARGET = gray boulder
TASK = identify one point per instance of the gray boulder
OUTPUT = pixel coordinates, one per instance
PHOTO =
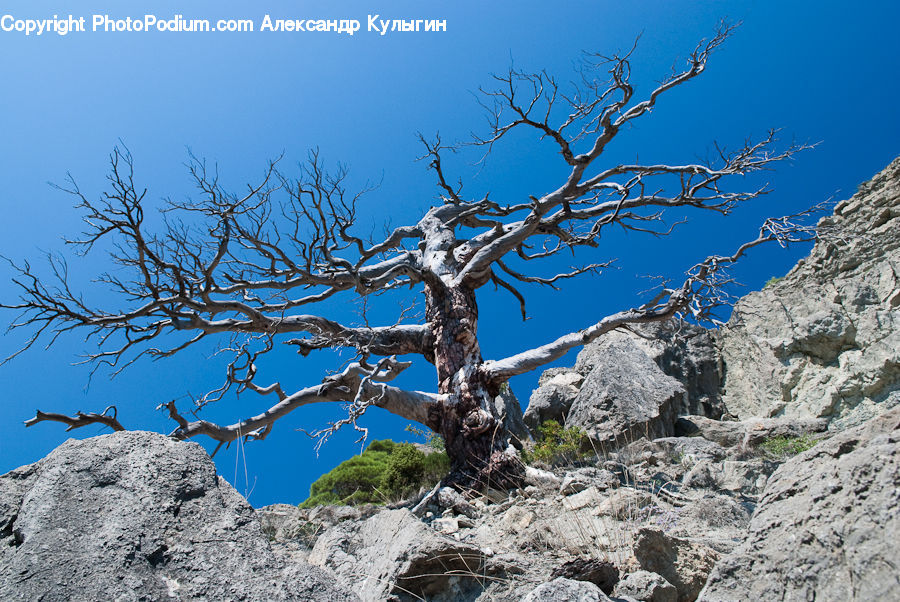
(557, 389)
(824, 341)
(626, 396)
(646, 587)
(395, 556)
(562, 589)
(139, 516)
(747, 433)
(683, 563)
(687, 353)
(510, 413)
(827, 526)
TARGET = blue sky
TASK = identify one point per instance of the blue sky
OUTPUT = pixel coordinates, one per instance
(822, 71)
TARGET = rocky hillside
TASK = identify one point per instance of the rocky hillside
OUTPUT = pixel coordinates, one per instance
(825, 340)
(761, 462)
(822, 342)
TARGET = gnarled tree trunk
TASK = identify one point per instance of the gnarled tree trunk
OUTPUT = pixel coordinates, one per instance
(476, 439)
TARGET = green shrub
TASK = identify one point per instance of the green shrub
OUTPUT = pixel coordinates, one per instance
(556, 444)
(773, 280)
(384, 471)
(785, 447)
(405, 469)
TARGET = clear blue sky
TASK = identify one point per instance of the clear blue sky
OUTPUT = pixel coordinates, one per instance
(823, 71)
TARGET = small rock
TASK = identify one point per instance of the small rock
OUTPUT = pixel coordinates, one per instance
(543, 479)
(589, 497)
(624, 503)
(646, 587)
(449, 498)
(568, 590)
(578, 480)
(446, 525)
(516, 519)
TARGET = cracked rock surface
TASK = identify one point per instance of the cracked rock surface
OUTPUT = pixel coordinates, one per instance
(825, 340)
(139, 516)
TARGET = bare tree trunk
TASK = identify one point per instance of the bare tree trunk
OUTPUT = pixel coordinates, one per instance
(476, 440)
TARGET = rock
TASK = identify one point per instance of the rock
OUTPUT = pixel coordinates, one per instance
(684, 564)
(447, 525)
(646, 587)
(687, 353)
(716, 520)
(394, 556)
(580, 479)
(703, 475)
(624, 504)
(449, 498)
(589, 497)
(747, 478)
(827, 525)
(136, 515)
(541, 478)
(726, 433)
(601, 573)
(824, 342)
(626, 396)
(562, 589)
(690, 449)
(510, 413)
(748, 433)
(516, 519)
(552, 399)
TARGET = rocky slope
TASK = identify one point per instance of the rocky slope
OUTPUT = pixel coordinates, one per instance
(822, 342)
(827, 526)
(825, 340)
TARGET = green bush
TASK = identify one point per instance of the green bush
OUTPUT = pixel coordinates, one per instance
(773, 280)
(384, 471)
(405, 469)
(556, 445)
(785, 447)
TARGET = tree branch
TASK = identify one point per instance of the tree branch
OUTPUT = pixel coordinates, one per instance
(700, 294)
(80, 419)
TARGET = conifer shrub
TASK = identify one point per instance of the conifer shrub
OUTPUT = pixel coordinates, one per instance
(384, 472)
(556, 445)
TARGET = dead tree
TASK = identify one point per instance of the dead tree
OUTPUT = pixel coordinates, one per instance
(248, 266)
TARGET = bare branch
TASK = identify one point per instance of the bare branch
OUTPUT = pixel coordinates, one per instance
(80, 419)
(700, 294)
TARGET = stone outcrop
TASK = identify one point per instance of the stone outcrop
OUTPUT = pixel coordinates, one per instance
(684, 352)
(684, 564)
(825, 340)
(687, 353)
(139, 516)
(625, 396)
(827, 526)
(647, 587)
(394, 556)
(747, 433)
(566, 589)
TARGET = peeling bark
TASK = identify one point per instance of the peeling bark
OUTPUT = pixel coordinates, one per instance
(474, 437)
